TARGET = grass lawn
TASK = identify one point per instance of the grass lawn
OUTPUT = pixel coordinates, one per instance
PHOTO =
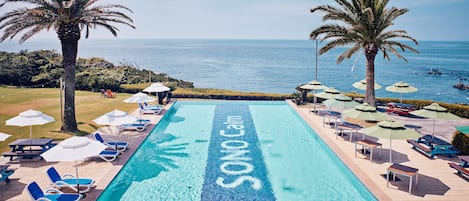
(89, 105)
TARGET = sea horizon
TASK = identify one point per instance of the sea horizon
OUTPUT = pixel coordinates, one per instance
(278, 65)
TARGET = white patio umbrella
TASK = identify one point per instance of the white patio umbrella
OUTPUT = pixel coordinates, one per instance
(4, 136)
(362, 85)
(156, 87)
(115, 118)
(391, 129)
(29, 118)
(139, 97)
(401, 87)
(74, 149)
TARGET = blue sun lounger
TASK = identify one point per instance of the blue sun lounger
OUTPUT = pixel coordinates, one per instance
(109, 155)
(51, 194)
(149, 109)
(134, 127)
(69, 181)
(116, 145)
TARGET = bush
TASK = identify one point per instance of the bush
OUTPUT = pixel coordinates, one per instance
(203, 93)
(461, 142)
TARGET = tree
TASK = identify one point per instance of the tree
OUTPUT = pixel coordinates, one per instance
(68, 18)
(362, 24)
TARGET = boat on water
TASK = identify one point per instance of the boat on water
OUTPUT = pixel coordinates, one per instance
(461, 85)
(434, 72)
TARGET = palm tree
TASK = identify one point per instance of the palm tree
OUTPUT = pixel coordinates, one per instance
(363, 24)
(68, 18)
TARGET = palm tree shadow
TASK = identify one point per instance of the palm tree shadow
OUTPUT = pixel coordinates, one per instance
(160, 155)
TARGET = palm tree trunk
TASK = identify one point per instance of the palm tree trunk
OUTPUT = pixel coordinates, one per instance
(69, 41)
(370, 52)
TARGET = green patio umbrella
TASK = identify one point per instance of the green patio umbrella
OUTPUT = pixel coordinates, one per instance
(341, 101)
(435, 111)
(401, 87)
(365, 112)
(328, 93)
(362, 85)
(391, 129)
(313, 85)
(463, 129)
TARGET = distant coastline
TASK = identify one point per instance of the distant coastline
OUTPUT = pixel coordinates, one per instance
(278, 66)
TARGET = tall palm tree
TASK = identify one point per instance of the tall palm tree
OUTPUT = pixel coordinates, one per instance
(68, 18)
(363, 24)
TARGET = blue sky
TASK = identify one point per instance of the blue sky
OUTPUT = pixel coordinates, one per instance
(272, 19)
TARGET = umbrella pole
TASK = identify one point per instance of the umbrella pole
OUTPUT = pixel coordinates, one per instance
(390, 150)
(76, 177)
(433, 131)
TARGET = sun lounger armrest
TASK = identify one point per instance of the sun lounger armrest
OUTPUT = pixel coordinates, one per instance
(68, 175)
(52, 191)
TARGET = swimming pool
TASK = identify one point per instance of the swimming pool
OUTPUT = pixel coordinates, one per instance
(230, 150)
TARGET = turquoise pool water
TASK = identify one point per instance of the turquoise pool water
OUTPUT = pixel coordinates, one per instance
(226, 150)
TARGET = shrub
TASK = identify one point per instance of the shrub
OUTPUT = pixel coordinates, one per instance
(461, 142)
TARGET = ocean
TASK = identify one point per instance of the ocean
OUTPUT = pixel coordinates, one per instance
(278, 66)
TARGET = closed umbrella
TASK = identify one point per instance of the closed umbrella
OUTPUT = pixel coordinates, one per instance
(29, 118)
(4, 136)
(74, 149)
(401, 87)
(435, 111)
(391, 129)
(341, 101)
(362, 85)
(328, 93)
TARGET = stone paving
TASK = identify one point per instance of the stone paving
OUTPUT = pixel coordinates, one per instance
(436, 181)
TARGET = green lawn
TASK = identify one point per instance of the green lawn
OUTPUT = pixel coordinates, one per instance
(89, 105)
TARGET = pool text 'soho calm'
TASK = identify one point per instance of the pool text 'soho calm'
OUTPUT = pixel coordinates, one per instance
(236, 151)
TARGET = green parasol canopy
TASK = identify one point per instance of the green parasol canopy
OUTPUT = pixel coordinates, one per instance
(328, 93)
(435, 111)
(391, 129)
(463, 129)
(313, 85)
(401, 87)
(365, 112)
(341, 101)
(362, 85)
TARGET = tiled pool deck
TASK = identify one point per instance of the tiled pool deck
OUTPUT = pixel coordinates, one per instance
(436, 181)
